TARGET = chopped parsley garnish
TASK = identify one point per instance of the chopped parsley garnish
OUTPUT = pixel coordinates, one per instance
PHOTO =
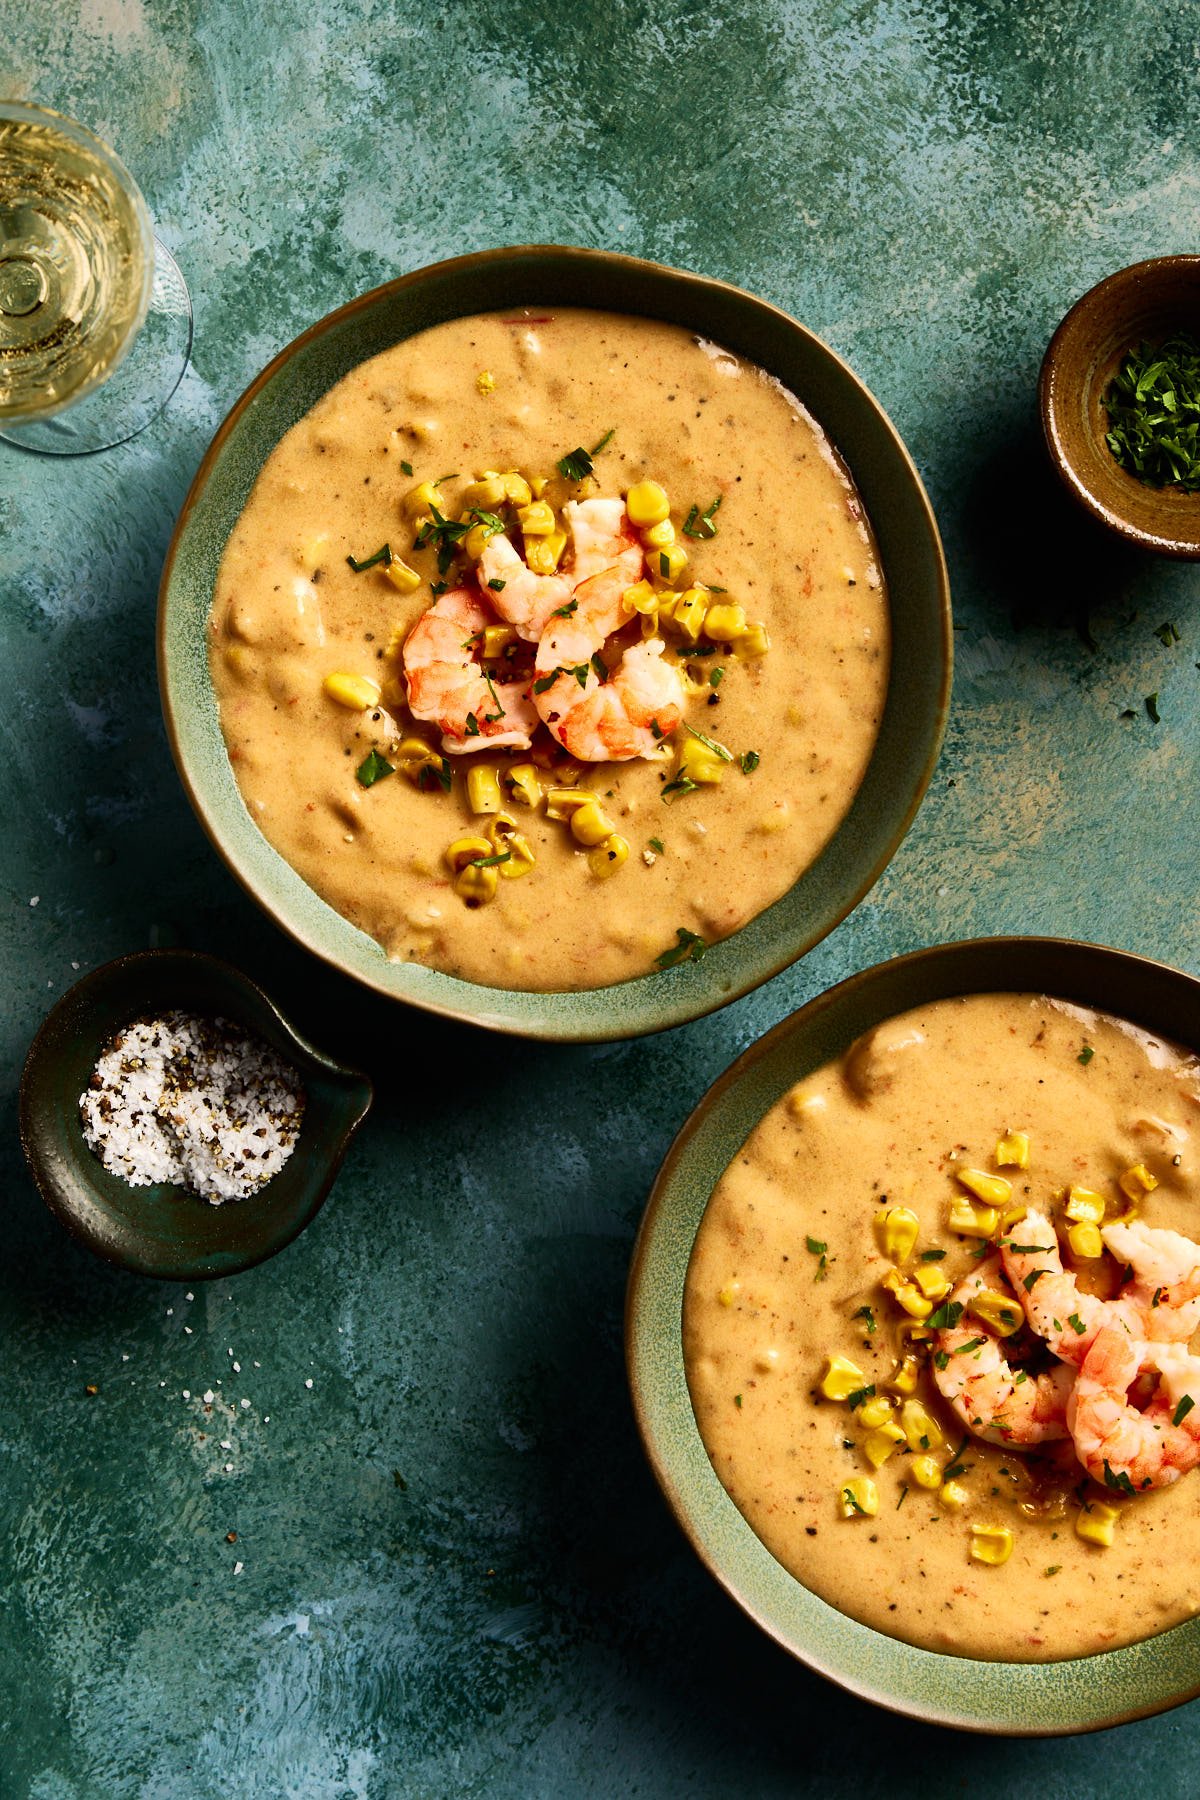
(1182, 1410)
(1153, 406)
(710, 743)
(664, 565)
(957, 1468)
(499, 712)
(1118, 1480)
(382, 555)
(1053, 1569)
(700, 524)
(373, 768)
(435, 771)
(497, 585)
(942, 1359)
(444, 534)
(491, 522)
(1152, 708)
(715, 677)
(490, 862)
(682, 784)
(971, 1344)
(1085, 1055)
(858, 1396)
(564, 612)
(406, 468)
(688, 947)
(1076, 1323)
(737, 1401)
(932, 1255)
(576, 465)
(657, 844)
(865, 1313)
(946, 1317)
(599, 667)
(1028, 1249)
(903, 1495)
(1167, 633)
(749, 761)
(848, 1497)
(816, 1248)
(472, 725)
(1034, 1276)
(580, 671)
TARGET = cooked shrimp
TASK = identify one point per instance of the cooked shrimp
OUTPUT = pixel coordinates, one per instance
(993, 1400)
(523, 598)
(629, 714)
(600, 536)
(1118, 1445)
(447, 685)
(1166, 1284)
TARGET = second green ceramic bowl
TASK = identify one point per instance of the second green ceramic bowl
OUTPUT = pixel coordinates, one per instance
(1020, 1699)
(910, 551)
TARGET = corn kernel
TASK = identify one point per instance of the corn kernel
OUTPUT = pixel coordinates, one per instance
(483, 789)
(667, 565)
(538, 485)
(699, 763)
(1136, 1182)
(1010, 1216)
(660, 536)
(688, 613)
(1000, 1311)
(589, 824)
(485, 494)
(875, 1411)
(1085, 1241)
(953, 1494)
(355, 691)
(485, 381)
(1085, 1206)
(729, 1293)
(562, 802)
(522, 782)
(516, 489)
(404, 579)
(647, 504)
(310, 553)
(920, 1428)
(916, 1334)
(419, 501)
(991, 1544)
(906, 1295)
(537, 519)
(972, 1221)
(841, 1378)
(859, 1499)
(465, 850)
(496, 640)
(754, 642)
(725, 623)
(607, 857)
(904, 1377)
(897, 1228)
(640, 598)
(477, 540)
(544, 554)
(506, 838)
(1094, 1523)
(476, 885)
(418, 760)
(931, 1281)
(878, 1445)
(993, 1190)
(926, 1471)
(1012, 1152)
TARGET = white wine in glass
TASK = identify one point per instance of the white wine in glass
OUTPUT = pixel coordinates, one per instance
(86, 293)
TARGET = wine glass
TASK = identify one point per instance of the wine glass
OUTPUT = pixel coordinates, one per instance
(95, 319)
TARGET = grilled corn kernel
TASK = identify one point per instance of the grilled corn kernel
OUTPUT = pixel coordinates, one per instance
(725, 623)
(926, 1471)
(544, 554)
(1000, 1311)
(1085, 1206)
(896, 1228)
(953, 1494)
(404, 579)
(537, 519)
(419, 761)
(562, 802)
(753, 642)
(916, 1334)
(859, 1499)
(688, 613)
(647, 504)
(506, 838)
(485, 381)
(1135, 1183)
(699, 763)
(516, 489)
(476, 885)
(476, 541)
(486, 493)
(993, 1190)
(906, 1295)
(465, 850)
(1010, 1216)
(1085, 1241)
(903, 1378)
(1094, 1523)
(522, 783)
(496, 640)
(931, 1281)
(841, 1378)
(640, 598)
(538, 485)
(660, 536)
(920, 1428)
(483, 789)
(991, 1544)
(878, 1445)
(355, 691)
(419, 500)
(610, 855)
(589, 823)
(875, 1411)
(667, 565)
(972, 1221)
(1012, 1152)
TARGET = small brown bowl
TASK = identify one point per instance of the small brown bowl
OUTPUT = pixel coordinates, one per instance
(1148, 300)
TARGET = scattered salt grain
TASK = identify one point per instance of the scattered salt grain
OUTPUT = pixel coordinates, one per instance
(209, 1396)
(238, 1567)
(308, 1383)
(229, 1468)
(237, 1368)
(245, 1403)
(197, 1102)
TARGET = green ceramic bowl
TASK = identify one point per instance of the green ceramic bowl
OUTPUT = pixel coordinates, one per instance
(910, 551)
(163, 1230)
(1025, 1699)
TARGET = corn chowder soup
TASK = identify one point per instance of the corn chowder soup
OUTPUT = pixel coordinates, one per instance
(937, 1327)
(551, 648)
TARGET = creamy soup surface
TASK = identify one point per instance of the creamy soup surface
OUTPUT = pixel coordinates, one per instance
(786, 1273)
(792, 547)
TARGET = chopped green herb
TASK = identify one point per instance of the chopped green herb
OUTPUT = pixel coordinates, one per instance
(1152, 708)
(1153, 405)
(1157, 1296)
(406, 467)
(1076, 1324)
(865, 1313)
(444, 534)
(1118, 1481)
(710, 743)
(688, 947)
(576, 465)
(564, 612)
(971, 1344)
(1085, 1055)
(1034, 1276)
(957, 1468)
(715, 677)
(499, 712)
(815, 1246)
(903, 1495)
(435, 771)
(932, 1255)
(1167, 634)
(749, 761)
(700, 524)
(1053, 1569)
(491, 522)
(373, 768)
(599, 667)
(848, 1497)
(657, 844)
(1182, 1410)
(664, 565)
(682, 784)
(856, 1399)
(472, 725)
(942, 1359)
(737, 1401)
(382, 555)
(946, 1317)
(490, 862)
(497, 585)
(1028, 1249)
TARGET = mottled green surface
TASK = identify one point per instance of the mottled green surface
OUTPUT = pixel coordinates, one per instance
(926, 186)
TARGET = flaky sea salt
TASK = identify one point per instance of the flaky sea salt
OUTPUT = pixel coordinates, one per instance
(197, 1102)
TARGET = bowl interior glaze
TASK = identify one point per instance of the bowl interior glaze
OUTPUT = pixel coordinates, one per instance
(910, 552)
(1028, 1699)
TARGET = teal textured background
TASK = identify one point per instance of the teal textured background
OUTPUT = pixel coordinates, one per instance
(458, 1577)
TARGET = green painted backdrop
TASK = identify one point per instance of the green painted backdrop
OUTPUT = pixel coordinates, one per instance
(457, 1577)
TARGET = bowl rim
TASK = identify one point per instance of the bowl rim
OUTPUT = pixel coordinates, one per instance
(302, 1048)
(482, 1005)
(1050, 405)
(642, 1361)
